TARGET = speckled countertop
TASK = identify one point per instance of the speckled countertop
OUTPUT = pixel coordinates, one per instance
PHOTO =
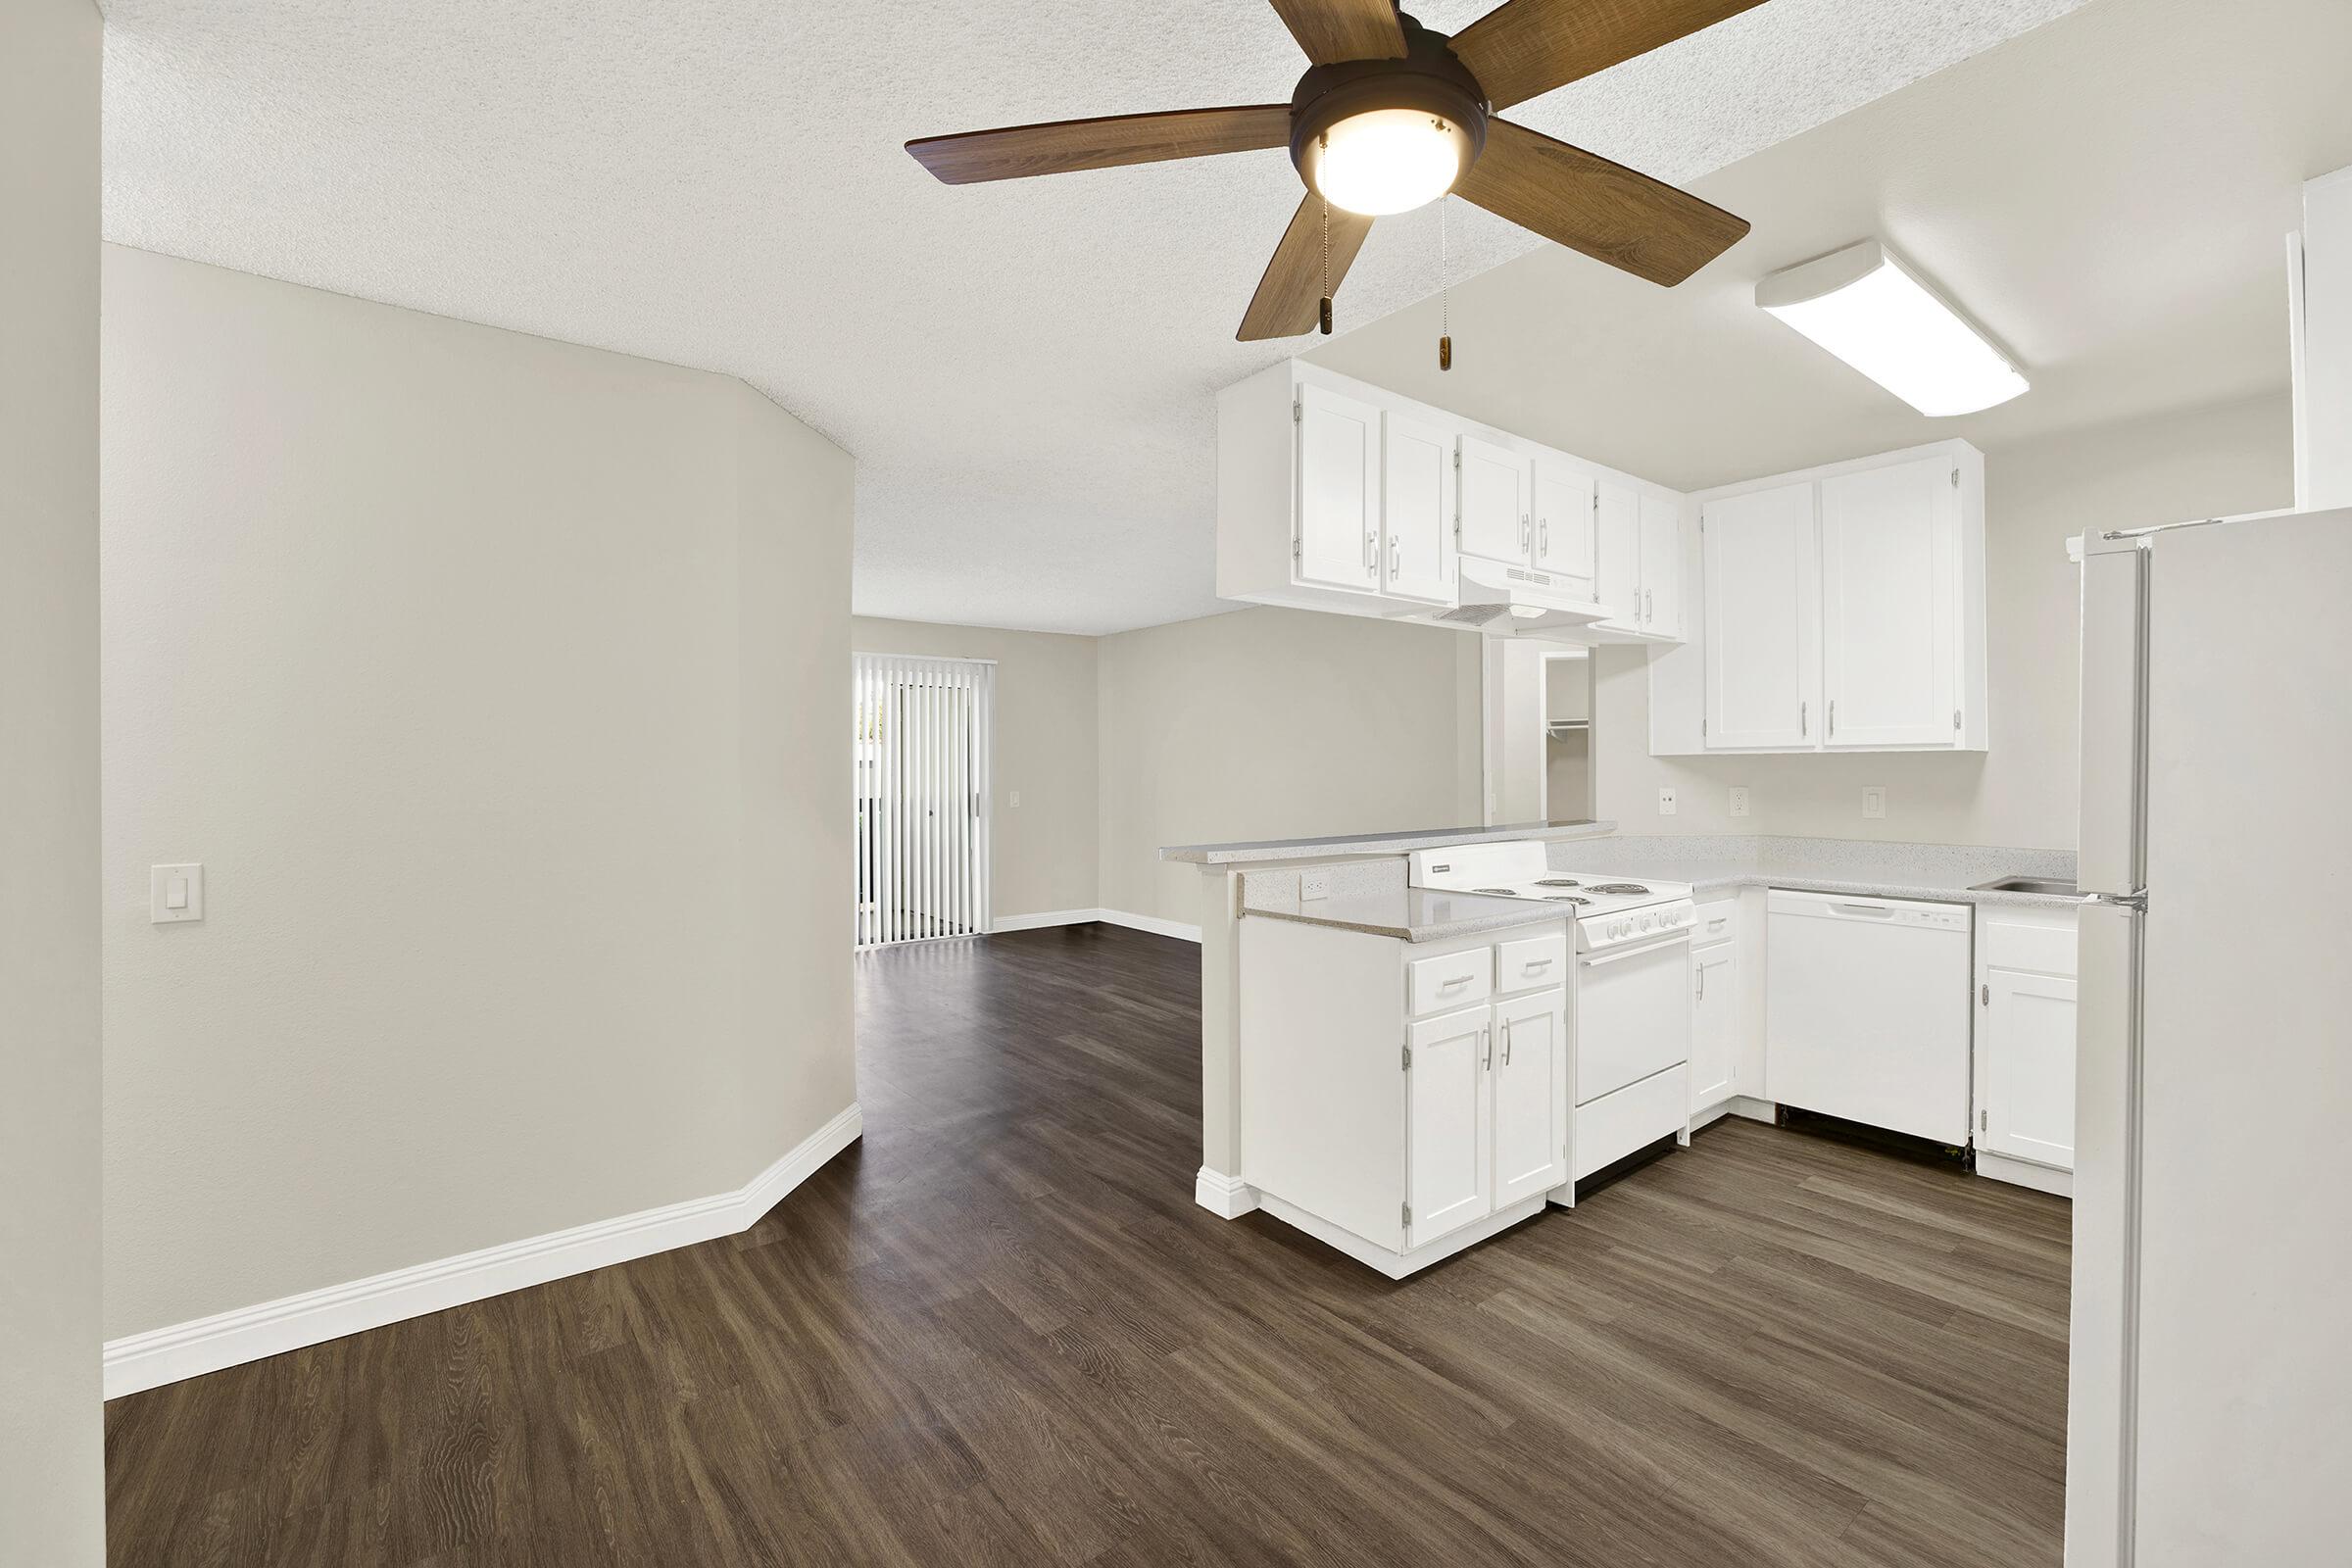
(1267, 851)
(1865, 868)
(1414, 915)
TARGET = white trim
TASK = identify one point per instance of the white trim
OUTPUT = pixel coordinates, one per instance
(2024, 1173)
(249, 1332)
(1032, 922)
(1753, 1109)
(1150, 922)
(1134, 922)
(1226, 1196)
(1396, 1265)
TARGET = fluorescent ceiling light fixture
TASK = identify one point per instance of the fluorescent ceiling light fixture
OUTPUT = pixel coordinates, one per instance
(1386, 160)
(1866, 306)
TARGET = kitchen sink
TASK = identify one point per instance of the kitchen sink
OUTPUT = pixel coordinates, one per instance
(2056, 887)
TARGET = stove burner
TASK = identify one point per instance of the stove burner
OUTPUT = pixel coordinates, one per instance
(1500, 893)
(1620, 886)
(1564, 898)
(1558, 882)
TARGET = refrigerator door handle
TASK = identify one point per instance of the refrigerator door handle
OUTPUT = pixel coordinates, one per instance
(2114, 709)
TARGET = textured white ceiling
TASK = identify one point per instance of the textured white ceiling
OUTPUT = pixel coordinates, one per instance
(2109, 197)
(1024, 371)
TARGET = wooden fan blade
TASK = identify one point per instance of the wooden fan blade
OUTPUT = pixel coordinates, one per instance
(1059, 146)
(1289, 297)
(1609, 212)
(1332, 31)
(1525, 47)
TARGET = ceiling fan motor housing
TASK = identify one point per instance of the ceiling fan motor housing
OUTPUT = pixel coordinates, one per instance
(1429, 80)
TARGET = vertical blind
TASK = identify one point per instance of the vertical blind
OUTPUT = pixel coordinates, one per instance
(924, 733)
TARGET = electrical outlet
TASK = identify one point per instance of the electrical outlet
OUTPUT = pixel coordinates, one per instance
(1014, 800)
(1874, 800)
(1665, 799)
(1739, 800)
(1314, 885)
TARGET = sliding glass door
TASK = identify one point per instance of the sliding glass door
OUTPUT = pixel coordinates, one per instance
(922, 758)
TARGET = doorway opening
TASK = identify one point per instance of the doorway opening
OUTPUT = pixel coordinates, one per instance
(922, 750)
(1538, 751)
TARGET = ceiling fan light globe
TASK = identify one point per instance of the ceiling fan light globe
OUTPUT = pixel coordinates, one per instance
(1384, 160)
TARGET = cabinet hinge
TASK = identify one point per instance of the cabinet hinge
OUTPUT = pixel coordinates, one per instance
(1408, 1056)
(1955, 720)
(1984, 994)
(1984, 1120)
(1956, 478)
(1298, 549)
(1408, 1211)
(1298, 409)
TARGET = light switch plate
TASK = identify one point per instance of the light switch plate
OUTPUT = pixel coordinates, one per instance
(1739, 800)
(1665, 799)
(175, 893)
(1314, 885)
(1014, 800)
(1874, 800)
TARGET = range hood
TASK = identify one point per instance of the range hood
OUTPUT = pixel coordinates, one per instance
(1504, 601)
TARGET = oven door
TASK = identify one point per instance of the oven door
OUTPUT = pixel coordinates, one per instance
(1633, 1014)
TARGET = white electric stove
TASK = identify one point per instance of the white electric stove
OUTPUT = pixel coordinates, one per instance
(1609, 911)
(1630, 995)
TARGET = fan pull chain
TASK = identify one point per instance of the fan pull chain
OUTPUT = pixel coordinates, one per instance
(1324, 315)
(1444, 298)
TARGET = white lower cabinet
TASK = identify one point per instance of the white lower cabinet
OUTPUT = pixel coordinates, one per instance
(1530, 1095)
(1398, 1100)
(1449, 1106)
(2024, 1085)
(1714, 1013)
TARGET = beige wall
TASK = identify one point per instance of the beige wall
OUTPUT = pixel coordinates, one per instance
(498, 683)
(1266, 723)
(1046, 752)
(2233, 457)
(52, 1507)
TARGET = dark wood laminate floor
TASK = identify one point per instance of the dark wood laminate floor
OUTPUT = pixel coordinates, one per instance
(1001, 1332)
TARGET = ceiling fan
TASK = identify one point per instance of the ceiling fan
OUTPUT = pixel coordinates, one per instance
(1390, 116)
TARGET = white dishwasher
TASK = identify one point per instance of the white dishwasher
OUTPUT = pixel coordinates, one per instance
(1867, 1011)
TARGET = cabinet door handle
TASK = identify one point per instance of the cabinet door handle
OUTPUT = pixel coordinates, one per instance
(1486, 1037)
(1371, 552)
(1543, 537)
(1833, 719)
(1534, 965)
(1458, 980)
(1800, 718)
(1506, 1042)
(1526, 532)
(1702, 982)
(1649, 608)
(1395, 559)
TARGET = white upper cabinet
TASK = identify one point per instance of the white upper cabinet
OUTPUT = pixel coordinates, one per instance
(1417, 505)
(1891, 605)
(1839, 608)
(1565, 518)
(1617, 553)
(1339, 490)
(1661, 566)
(1336, 494)
(1495, 522)
(1762, 625)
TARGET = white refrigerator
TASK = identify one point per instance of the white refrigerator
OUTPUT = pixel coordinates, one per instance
(2209, 1416)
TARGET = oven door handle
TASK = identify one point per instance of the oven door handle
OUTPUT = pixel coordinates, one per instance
(1594, 961)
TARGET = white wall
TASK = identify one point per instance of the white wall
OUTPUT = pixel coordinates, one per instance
(52, 1504)
(1045, 849)
(2233, 458)
(500, 686)
(1271, 724)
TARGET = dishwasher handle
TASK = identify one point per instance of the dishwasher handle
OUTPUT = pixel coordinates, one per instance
(1853, 910)
(1865, 910)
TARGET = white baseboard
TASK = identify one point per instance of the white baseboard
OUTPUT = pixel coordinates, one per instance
(1226, 1196)
(1752, 1110)
(2024, 1173)
(1032, 922)
(249, 1332)
(1150, 922)
(1134, 922)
